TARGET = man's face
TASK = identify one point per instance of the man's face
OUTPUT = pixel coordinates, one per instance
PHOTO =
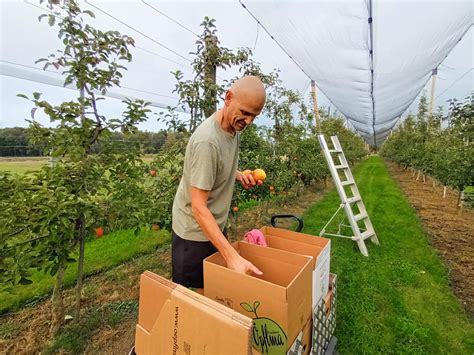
(241, 113)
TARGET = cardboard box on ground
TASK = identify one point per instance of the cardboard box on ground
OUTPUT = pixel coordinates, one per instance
(279, 301)
(175, 320)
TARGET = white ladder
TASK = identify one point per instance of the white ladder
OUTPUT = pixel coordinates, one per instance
(359, 234)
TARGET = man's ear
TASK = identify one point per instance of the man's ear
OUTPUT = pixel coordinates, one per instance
(228, 96)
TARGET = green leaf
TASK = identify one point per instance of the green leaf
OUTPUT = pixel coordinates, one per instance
(24, 281)
(23, 96)
(54, 269)
(41, 60)
(40, 17)
(256, 304)
(33, 110)
(89, 12)
(37, 95)
(71, 260)
(51, 20)
(247, 307)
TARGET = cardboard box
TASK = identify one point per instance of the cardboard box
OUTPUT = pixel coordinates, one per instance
(302, 344)
(279, 300)
(305, 244)
(175, 320)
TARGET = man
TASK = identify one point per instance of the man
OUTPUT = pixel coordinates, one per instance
(204, 195)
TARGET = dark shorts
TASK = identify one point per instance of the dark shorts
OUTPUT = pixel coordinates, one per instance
(187, 260)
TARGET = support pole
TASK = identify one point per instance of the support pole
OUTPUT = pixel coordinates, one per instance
(434, 73)
(315, 106)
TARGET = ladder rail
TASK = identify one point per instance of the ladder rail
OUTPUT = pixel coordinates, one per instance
(360, 234)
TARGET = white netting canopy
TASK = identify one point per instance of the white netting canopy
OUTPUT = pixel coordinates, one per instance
(370, 58)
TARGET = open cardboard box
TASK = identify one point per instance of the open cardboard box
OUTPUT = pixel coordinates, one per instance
(305, 244)
(279, 301)
(175, 320)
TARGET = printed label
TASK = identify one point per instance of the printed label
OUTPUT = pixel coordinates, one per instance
(267, 335)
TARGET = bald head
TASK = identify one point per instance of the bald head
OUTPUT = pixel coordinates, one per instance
(249, 89)
(243, 102)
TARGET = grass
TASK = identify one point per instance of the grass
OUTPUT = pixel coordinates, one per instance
(101, 254)
(20, 166)
(75, 337)
(397, 300)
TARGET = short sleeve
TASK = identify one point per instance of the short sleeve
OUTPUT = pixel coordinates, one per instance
(204, 165)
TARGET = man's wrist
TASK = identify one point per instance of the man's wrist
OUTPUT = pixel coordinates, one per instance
(229, 253)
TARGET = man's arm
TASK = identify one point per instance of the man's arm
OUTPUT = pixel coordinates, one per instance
(211, 230)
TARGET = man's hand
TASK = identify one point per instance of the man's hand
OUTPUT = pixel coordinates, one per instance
(247, 181)
(243, 266)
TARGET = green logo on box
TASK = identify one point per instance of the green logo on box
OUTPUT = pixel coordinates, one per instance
(267, 335)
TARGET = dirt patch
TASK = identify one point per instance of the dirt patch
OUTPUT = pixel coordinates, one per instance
(450, 229)
(30, 326)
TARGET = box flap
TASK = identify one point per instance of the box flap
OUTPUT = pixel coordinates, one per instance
(297, 236)
(294, 247)
(178, 314)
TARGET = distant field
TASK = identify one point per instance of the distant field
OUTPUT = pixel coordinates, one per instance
(21, 165)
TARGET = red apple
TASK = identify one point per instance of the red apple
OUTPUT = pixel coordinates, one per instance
(99, 232)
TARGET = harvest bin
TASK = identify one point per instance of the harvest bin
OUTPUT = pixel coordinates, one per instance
(279, 301)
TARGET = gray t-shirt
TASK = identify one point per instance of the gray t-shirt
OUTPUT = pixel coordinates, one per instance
(210, 164)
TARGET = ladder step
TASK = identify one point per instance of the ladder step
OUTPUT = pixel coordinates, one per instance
(354, 199)
(343, 166)
(367, 234)
(335, 151)
(360, 216)
(348, 182)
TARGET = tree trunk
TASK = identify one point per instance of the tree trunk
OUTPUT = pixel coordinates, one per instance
(424, 178)
(418, 176)
(326, 184)
(460, 202)
(80, 265)
(413, 172)
(444, 191)
(235, 225)
(210, 73)
(57, 306)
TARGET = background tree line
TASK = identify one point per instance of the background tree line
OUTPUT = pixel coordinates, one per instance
(15, 142)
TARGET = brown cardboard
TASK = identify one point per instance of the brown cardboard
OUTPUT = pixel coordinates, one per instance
(175, 320)
(282, 295)
(307, 335)
(305, 244)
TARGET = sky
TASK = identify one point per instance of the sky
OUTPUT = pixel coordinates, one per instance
(163, 43)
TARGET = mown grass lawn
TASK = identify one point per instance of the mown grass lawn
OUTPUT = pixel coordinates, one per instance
(398, 299)
(101, 254)
(21, 166)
